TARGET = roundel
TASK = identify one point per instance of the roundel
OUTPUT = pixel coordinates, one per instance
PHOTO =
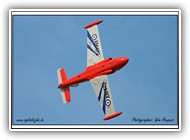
(108, 102)
(94, 36)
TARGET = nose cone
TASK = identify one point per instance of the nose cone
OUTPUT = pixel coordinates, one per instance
(123, 60)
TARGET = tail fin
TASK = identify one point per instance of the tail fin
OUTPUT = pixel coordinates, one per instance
(65, 92)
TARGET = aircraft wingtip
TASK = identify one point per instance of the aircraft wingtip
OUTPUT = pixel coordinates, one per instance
(93, 23)
(112, 115)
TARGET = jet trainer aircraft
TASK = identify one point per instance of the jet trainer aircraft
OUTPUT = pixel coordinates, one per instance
(96, 72)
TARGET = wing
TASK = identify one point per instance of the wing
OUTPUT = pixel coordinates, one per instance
(102, 89)
(94, 48)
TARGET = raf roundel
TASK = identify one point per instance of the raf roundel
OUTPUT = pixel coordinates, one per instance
(108, 102)
(94, 36)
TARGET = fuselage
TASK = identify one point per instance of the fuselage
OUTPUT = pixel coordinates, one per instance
(104, 67)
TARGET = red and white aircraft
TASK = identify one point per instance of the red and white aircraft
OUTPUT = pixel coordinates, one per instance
(96, 72)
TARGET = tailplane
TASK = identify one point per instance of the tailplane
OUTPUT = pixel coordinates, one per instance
(65, 92)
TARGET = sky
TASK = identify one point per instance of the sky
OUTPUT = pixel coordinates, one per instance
(146, 88)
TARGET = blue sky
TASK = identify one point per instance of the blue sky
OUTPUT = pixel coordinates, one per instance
(145, 88)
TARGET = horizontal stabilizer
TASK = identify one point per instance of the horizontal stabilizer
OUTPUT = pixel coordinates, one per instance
(61, 74)
(65, 92)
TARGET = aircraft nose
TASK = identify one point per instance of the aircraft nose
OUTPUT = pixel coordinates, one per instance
(124, 60)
